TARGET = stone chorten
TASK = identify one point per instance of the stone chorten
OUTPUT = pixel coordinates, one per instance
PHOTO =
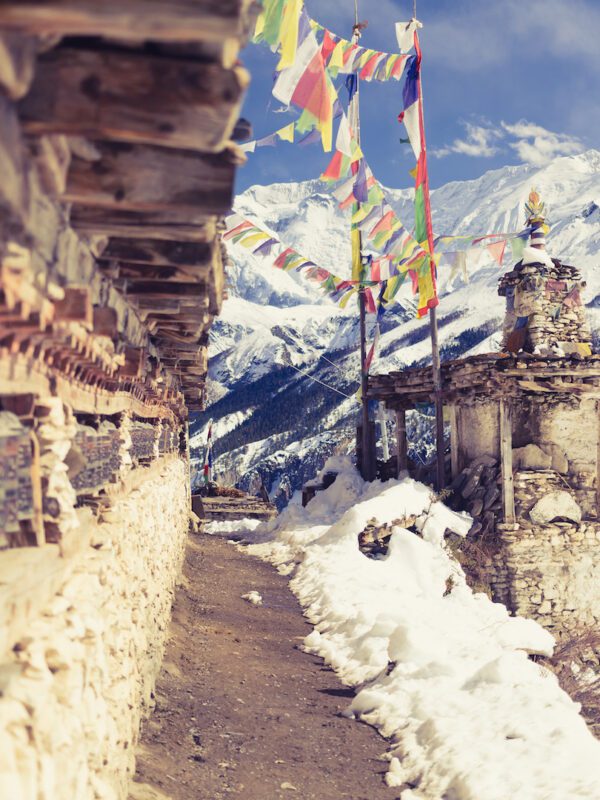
(544, 310)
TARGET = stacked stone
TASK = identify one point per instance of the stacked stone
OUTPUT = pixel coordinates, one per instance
(544, 310)
(74, 686)
(477, 490)
(56, 429)
(548, 572)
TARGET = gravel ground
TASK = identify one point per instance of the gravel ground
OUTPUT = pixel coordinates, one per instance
(241, 711)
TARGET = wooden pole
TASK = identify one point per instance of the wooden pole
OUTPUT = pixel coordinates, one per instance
(439, 402)
(401, 443)
(366, 462)
(506, 460)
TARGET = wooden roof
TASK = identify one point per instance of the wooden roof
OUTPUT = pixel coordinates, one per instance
(491, 376)
(115, 148)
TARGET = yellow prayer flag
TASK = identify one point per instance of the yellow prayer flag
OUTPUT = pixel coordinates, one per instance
(346, 298)
(289, 33)
(413, 173)
(336, 62)
(287, 134)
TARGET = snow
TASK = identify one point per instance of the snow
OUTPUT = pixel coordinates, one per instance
(253, 597)
(441, 671)
(230, 526)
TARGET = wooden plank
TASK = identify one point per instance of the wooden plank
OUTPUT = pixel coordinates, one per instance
(165, 224)
(401, 443)
(134, 97)
(131, 20)
(160, 253)
(506, 460)
(145, 178)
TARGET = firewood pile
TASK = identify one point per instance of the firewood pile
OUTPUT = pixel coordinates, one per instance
(477, 490)
(374, 539)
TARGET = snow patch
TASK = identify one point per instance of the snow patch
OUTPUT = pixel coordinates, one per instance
(440, 670)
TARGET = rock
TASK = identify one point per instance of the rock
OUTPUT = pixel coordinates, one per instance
(558, 504)
(491, 496)
(531, 457)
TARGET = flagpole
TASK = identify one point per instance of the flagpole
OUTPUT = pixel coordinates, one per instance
(364, 378)
(433, 326)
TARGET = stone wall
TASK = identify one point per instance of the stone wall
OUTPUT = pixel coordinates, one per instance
(77, 678)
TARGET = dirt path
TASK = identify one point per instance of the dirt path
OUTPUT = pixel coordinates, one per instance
(241, 711)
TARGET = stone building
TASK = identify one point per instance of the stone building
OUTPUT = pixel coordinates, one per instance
(525, 440)
(117, 162)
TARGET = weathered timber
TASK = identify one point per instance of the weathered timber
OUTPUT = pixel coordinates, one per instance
(120, 272)
(17, 62)
(134, 97)
(159, 253)
(75, 306)
(454, 441)
(506, 460)
(105, 321)
(164, 224)
(401, 442)
(145, 178)
(186, 290)
(137, 20)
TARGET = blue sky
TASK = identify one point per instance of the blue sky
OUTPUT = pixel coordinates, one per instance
(505, 82)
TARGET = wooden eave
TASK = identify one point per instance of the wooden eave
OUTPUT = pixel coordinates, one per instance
(133, 109)
(492, 376)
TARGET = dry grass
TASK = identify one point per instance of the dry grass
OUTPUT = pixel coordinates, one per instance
(576, 663)
(475, 557)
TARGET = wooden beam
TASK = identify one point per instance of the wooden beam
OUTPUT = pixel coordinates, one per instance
(75, 306)
(401, 442)
(134, 97)
(186, 290)
(159, 253)
(158, 274)
(131, 20)
(166, 224)
(145, 178)
(506, 460)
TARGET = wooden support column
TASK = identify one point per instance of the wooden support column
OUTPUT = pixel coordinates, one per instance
(598, 458)
(401, 443)
(506, 460)
(454, 443)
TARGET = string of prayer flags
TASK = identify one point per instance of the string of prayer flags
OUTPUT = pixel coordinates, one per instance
(246, 234)
(348, 58)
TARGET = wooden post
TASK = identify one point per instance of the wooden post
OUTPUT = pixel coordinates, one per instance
(401, 443)
(598, 459)
(506, 460)
(454, 443)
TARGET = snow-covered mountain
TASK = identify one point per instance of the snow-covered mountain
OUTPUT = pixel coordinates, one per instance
(283, 359)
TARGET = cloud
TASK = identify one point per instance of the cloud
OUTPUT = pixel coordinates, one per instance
(536, 145)
(479, 35)
(479, 143)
